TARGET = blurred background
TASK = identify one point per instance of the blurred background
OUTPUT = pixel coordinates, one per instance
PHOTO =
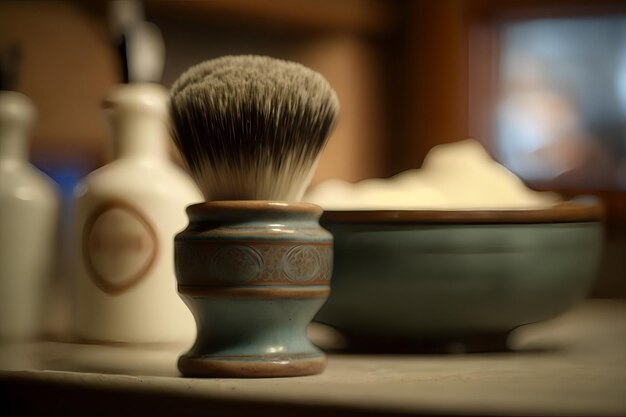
(542, 84)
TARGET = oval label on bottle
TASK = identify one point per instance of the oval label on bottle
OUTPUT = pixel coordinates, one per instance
(119, 246)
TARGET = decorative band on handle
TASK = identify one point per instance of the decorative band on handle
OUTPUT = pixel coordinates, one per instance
(255, 292)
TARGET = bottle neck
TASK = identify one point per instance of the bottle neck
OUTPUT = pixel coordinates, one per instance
(17, 115)
(137, 115)
(13, 146)
(139, 136)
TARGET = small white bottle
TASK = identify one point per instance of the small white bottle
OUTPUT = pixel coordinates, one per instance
(29, 214)
(127, 214)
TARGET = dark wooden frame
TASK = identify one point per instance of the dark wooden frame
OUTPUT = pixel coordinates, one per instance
(486, 19)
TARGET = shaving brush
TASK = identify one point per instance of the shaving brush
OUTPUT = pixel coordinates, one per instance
(253, 265)
(252, 127)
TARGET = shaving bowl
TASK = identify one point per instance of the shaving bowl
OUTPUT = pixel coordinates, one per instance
(447, 275)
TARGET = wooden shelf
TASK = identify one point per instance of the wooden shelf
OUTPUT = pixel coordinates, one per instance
(369, 17)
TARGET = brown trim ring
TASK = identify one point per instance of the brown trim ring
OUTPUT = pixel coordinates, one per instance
(254, 292)
(255, 367)
(565, 212)
(134, 279)
(222, 240)
(216, 282)
(228, 209)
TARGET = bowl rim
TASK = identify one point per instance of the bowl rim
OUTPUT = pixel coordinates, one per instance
(570, 211)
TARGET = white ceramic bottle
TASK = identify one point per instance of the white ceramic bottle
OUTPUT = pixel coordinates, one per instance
(127, 214)
(29, 209)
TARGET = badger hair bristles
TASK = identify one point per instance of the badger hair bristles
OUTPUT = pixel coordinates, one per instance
(252, 127)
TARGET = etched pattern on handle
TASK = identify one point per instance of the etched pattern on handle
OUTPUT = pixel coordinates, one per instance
(302, 263)
(252, 263)
(237, 263)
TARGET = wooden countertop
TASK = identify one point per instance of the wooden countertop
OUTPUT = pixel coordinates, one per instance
(572, 365)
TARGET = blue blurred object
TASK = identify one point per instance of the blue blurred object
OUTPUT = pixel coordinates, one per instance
(66, 176)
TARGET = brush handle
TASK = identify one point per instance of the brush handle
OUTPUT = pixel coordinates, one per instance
(255, 274)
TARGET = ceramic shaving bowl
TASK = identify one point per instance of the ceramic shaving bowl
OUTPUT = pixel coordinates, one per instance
(254, 274)
(457, 275)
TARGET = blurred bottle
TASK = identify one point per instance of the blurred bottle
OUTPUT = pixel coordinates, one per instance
(127, 214)
(29, 209)
(128, 211)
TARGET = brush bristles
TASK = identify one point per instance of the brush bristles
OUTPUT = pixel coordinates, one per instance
(251, 127)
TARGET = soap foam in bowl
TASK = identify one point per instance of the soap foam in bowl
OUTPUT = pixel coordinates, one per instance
(457, 250)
